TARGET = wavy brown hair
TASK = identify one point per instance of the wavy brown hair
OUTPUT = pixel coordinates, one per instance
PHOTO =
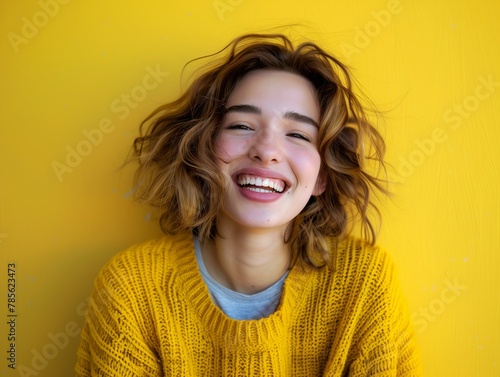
(175, 150)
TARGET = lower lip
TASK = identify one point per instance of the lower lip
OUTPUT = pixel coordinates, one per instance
(259, 196)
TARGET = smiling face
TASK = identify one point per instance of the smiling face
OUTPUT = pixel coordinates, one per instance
(267, 150)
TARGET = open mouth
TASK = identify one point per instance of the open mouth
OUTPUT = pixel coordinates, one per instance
(262, 185)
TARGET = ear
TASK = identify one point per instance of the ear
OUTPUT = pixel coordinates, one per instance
(320, 186)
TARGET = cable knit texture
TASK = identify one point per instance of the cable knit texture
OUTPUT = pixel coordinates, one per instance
(151, 315)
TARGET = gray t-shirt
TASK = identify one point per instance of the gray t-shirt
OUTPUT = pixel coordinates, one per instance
(239, 305)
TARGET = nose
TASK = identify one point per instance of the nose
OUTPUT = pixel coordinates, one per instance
(266, 147)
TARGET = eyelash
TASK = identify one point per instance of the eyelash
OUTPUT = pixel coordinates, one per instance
(300, 136)
(238, 127)
(248, 128)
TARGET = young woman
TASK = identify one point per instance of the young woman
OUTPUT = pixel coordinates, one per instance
(259, 170)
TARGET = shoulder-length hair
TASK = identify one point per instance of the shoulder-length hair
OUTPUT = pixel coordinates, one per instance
(175, 150)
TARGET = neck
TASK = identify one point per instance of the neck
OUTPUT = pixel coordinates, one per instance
(247, 261)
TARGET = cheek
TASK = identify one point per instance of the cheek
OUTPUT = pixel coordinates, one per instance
(308, 164)
(309, 161)
(221, 149)
(227, 149)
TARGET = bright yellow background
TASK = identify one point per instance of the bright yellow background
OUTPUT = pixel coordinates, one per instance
(433, 66)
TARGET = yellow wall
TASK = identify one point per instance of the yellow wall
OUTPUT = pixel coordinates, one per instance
(67, 67)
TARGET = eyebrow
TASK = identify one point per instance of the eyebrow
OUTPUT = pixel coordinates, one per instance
(293, 115)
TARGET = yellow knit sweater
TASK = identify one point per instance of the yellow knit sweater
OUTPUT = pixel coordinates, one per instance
(151, 315)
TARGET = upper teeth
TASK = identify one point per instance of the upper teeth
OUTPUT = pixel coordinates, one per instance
(276, 185)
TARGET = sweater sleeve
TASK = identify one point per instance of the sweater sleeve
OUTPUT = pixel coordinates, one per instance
(387, 346)
(112, 343)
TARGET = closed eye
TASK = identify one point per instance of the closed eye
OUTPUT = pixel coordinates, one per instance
(238, 127)
(299, 136)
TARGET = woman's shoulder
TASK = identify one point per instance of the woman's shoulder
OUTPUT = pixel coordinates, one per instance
(155, 249)
(355, 247)
(357, 257)
(146, 259)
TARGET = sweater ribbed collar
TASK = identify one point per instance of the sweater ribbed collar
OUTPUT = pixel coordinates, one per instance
(233, 332)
